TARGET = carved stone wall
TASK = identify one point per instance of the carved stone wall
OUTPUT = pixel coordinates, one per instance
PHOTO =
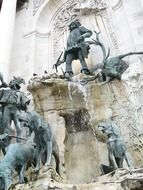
(42, 29)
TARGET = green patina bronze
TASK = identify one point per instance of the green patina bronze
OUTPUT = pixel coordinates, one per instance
(76, 48)
(110, 67)
(12, 101)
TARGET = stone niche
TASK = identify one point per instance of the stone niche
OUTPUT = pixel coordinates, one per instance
(73, 111)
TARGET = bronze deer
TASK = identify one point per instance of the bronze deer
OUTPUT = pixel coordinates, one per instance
(111, 67)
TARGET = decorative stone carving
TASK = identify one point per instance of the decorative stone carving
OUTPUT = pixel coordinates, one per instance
(65, 15)
(89, 6)
(108, 21)
(116, 4)
(37, 4)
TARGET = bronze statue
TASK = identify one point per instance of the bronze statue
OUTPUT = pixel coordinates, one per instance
(12, 101)
(44, 139)
(116, 147)
(76, 48)
(110, 67)
(1, 126)
(18, 157)
(5, 140)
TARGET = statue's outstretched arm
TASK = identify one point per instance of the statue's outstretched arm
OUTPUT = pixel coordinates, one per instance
(85, 32)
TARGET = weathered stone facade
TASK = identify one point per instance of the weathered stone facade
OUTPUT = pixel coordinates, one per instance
(41, 31)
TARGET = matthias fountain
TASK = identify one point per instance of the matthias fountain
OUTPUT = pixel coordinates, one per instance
(81, 128)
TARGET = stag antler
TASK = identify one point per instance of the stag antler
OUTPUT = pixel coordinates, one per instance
(98, 42)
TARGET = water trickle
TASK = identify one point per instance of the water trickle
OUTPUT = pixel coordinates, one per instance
(82, 89)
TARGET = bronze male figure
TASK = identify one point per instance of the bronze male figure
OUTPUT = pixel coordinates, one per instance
(76, 48)
(12, 101)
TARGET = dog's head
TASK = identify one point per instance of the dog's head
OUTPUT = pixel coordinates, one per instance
(24, 119)
(106, 128)
(32, 120)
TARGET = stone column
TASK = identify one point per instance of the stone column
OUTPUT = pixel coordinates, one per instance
(7, 22)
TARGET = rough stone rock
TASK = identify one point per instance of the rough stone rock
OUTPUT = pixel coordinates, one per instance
(119, 180)
(74, 111)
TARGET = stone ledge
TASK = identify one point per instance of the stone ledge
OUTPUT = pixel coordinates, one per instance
(121, 179)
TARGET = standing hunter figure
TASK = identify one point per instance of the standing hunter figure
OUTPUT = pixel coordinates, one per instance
(76, 48)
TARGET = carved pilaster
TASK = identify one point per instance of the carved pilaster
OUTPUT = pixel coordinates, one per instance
(107, 17)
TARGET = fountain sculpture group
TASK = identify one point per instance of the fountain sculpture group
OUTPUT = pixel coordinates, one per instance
(14, 104)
